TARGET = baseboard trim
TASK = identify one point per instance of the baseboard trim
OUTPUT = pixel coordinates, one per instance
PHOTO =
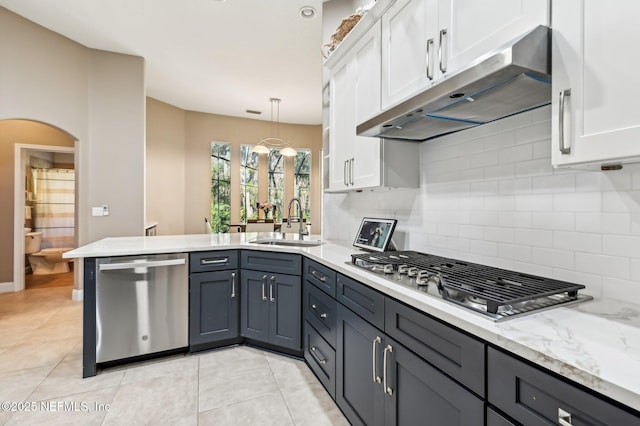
(77, 295)
(6, 287)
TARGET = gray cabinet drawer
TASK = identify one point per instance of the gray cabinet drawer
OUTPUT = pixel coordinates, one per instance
(208, 261)
(495, 419)
(321, 357)
(320, 310)
(280, 263)
(532, 396)
(362, 300)
(456, 354)
(320, 276)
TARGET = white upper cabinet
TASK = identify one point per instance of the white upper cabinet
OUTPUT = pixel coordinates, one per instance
(409, 48)
(355, 95)
(473, 28)
(426, 40)
(595, 83)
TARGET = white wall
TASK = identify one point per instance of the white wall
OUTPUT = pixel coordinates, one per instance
(490, 195)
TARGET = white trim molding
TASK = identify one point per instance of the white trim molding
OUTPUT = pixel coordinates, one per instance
(6, 287)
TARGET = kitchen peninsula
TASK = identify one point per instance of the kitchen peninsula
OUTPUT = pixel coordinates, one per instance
(595, 344)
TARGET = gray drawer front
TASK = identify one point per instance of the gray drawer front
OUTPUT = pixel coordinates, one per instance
(453, 352)
(207, 261)
(320, 276)
(321, 358)
(532, 396)
(362, 300)
(495, 419)
(281, 263)
(320, 310)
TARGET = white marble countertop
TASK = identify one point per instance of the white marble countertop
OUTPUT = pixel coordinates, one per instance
(594, 343)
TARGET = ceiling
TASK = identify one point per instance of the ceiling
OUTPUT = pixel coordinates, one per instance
(220, 57)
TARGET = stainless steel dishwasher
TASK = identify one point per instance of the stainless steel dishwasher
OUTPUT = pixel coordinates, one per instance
(142, 305)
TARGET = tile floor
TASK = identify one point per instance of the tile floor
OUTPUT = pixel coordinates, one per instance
(41, 363)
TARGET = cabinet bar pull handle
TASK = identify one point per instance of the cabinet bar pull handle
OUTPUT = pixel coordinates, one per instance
(387, 389)
(351, 170)
(318, 276)
(376, 378)
(214, 261)
(441, 56)
(271, 298)
(264, 282)
(429, 71)
(315, 307)
(563, 95)
(317, 355)
(564, 418)
(344, 172)
(233, 285)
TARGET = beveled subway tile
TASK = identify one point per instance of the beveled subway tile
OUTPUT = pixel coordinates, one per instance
(160, 400)
(88, 408)
(312, 405)
(18, 385)
(66, 380)
(264, 411)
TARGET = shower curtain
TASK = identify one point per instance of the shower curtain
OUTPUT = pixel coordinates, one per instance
(55, 206)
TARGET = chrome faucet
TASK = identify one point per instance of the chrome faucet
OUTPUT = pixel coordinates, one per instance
(302, 231)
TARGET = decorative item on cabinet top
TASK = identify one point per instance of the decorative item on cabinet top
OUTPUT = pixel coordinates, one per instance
(345, 27)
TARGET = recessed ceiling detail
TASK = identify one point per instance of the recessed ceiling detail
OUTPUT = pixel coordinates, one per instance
(308, 12)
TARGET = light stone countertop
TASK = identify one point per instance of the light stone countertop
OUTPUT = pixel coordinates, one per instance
(594, 343)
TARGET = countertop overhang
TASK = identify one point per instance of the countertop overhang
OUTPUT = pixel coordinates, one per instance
(595, 343)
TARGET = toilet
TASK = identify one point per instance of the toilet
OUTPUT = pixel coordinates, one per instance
(45, 261)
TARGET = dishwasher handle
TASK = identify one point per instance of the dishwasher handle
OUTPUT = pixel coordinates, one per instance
(147, 264)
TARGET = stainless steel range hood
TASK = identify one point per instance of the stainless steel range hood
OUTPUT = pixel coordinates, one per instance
(514, 79)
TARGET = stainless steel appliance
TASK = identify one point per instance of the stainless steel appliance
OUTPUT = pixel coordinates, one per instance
(142, 305)
(513, 79)
(495, 293)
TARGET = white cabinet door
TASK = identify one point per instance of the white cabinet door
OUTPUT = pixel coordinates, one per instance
(470, 29)
(341, 130)
(409, 29)
(366, 150)
(423, 41)
(594, 58)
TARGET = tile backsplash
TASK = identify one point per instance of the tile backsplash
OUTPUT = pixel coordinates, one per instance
(490, 195)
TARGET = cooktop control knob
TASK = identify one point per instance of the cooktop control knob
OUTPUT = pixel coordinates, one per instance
(402, 269)
(388, 268)
(412, 272)
(422, 278)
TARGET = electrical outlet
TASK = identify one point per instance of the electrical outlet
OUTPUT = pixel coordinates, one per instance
(96, 211)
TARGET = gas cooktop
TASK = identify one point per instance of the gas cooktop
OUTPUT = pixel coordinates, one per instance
(495, 293)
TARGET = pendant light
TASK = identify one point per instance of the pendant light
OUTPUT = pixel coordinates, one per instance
(266, 144)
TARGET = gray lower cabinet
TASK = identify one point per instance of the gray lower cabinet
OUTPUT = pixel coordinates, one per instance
(379, 381)
(213, 298)
(271, 309)
(214, 294)
(532, 396)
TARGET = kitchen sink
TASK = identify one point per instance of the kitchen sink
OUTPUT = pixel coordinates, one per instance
(281, 242)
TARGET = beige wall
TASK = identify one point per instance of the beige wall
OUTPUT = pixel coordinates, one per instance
(165, 167)
(178, 163)
(98, 98)
(18, 132)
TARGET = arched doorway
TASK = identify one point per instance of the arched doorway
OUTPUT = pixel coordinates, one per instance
(18, 138)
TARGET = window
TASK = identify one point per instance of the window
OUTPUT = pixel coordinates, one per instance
(220, 187)
(302, 181)
(276, 181)
(248, 183)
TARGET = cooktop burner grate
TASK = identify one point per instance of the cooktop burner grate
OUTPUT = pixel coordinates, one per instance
(496, 288)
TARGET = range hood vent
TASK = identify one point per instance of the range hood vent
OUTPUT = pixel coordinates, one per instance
(514, 79)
